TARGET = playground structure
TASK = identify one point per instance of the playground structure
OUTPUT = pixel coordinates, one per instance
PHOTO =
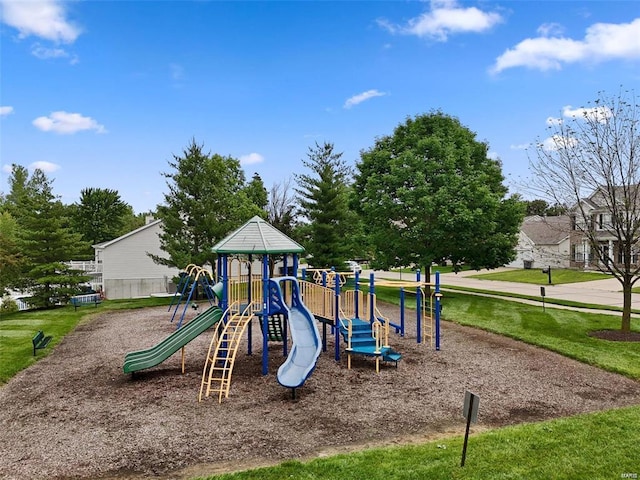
(192, 277)
(283, 305)
(360, 323)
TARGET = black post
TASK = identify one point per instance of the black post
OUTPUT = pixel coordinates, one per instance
(466, 434)
(548, 272)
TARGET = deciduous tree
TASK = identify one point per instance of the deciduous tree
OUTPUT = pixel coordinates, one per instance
(100, 215)
(429, 193)
(596, 152)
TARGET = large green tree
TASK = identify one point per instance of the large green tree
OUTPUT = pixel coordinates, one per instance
(207, 199)
(430, 193)
(44, 240)
(100, 215)
(323, 196)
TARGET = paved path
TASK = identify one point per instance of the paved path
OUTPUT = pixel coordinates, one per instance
(598, 292)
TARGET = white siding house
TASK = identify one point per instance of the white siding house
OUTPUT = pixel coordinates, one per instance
(542, 242)
(126, 269)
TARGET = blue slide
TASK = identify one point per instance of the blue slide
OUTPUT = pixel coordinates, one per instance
(305, 336)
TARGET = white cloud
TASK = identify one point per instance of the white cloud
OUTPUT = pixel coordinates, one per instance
(361, 97)
(599, 114)
(46, 167)
(67, 123)
(558, 142)
(446, 18)
(553, 121)
(46, 19)
(251, 159)
(549, 29)
(602, 41)
(45, 53)
(5, 110)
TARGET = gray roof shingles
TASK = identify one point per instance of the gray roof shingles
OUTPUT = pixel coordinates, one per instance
(257, 236)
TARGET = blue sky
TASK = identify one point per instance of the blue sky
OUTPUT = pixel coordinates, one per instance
(103, 93)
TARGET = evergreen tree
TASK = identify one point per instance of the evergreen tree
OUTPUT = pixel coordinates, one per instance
(207, 200)
(10, 258)
(257, 193)
(44, 240)
(323, 195)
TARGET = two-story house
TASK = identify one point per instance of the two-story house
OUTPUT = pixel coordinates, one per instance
(124, 268)
(593, 227)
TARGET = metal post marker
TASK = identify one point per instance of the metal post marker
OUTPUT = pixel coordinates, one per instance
(542, 294)
(470, 412)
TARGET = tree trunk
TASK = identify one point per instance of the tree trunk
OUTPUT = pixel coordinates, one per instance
(626, 307)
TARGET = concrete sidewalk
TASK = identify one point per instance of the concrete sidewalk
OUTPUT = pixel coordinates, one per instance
(598, 292)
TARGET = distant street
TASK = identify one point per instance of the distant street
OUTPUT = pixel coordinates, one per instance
(599, 292)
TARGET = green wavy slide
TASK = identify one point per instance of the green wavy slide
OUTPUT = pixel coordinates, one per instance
(134, 361)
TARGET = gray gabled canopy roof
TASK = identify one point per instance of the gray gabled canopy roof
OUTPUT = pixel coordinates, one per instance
(257, 236)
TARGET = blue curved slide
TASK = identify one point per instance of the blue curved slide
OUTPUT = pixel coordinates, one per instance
(305, 337)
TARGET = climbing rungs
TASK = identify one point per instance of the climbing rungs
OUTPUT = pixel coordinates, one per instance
(219, 366)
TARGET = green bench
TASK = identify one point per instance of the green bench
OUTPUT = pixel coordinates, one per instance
(40, 341)
(82, 300)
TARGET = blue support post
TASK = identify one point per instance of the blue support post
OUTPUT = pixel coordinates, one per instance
(225, 294)
(438, 295)
(402, 310)
(250, 299)
(418, 309)
(355, 296)
(265, 314)
(225, 286)
(337, 318)
(372, 292)
(295, 265)
(283, 286)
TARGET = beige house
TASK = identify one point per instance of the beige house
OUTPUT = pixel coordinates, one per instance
(543, 242)
(124, 268)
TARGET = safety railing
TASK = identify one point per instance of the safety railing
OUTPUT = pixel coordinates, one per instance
(318, 299)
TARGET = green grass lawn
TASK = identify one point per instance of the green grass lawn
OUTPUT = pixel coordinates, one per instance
(535, 276)
(593, 446)
(562, 331)
(17, 330)
(596, 446)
